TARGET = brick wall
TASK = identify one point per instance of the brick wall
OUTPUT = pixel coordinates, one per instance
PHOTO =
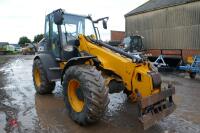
(117, 35)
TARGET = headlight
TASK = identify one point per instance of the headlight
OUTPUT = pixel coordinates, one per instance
(68, 48)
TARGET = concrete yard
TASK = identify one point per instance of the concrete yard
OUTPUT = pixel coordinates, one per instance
(22, 110)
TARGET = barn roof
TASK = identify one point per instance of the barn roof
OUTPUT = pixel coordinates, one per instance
(152, 5)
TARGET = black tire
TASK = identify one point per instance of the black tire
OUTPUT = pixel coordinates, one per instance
(192, 75)
(45, 86)
(94, 93)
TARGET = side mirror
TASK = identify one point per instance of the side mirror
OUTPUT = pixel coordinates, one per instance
(104, 24)
(58, 17)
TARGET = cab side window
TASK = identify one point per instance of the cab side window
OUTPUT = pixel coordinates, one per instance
(46, 28)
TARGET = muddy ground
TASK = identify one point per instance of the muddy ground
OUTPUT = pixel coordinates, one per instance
(22, 110)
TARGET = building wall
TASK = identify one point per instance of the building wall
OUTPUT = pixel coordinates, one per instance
(117, 35)
(170, 28)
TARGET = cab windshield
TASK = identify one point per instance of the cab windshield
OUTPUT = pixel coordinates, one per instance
(74, 25)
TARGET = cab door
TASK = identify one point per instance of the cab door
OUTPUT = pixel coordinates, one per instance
(69, 41)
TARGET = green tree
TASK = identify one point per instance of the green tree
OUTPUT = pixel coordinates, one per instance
(23, 40)
(38, 37)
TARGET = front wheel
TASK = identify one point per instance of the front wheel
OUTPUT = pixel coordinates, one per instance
(85, 94)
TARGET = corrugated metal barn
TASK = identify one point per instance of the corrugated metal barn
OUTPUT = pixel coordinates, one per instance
(166, 24)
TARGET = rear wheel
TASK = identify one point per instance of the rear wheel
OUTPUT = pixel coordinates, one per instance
(41, 83)
(85, 94)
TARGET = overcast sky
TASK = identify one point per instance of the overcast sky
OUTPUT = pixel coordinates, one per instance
(26, 17)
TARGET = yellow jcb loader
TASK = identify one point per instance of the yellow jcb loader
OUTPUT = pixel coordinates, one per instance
(89, 69)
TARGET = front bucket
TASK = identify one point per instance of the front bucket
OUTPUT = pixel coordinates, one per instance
(156, 107)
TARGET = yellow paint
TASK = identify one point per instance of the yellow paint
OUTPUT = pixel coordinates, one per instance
(37, 77)
(74, 101)
(122, 66)
(62, 64)
(190, 60)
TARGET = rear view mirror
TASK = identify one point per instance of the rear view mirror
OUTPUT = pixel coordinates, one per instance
(58, 17)
(104, 21)
(104, 24)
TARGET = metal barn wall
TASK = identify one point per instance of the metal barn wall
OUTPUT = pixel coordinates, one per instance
(175, 27)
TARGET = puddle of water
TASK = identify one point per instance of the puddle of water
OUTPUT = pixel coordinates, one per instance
(116, 103)
(2, 122)
(180, 125)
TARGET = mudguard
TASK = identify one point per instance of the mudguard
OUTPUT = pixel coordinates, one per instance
(76, 61)
(49, 62)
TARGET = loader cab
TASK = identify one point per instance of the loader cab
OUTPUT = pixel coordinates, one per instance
(57, 41)
(62, 31)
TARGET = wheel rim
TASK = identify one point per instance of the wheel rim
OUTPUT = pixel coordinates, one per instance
(75, 95)
(37, 77)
